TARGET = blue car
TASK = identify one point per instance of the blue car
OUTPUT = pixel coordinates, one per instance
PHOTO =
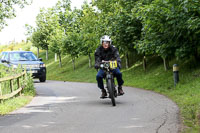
(26, 60)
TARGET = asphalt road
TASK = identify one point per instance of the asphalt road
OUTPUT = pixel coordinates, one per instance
(65, 107)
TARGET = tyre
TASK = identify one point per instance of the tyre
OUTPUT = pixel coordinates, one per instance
(42, 79)
(111, 91)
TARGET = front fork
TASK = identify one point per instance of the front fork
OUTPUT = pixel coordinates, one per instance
(110, 76)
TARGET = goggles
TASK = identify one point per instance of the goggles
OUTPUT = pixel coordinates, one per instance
(106, 42)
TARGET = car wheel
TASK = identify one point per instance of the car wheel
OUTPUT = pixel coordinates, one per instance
(42, 79)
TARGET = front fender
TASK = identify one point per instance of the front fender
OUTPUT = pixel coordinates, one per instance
(108, 76)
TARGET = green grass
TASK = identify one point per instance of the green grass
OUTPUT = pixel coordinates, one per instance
(67, 73)
(6, 106)
(186, 94)
(13, 104)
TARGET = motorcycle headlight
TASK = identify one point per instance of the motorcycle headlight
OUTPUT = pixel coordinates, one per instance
(101, 66)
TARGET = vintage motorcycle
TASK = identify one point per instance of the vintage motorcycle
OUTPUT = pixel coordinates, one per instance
(108, 66)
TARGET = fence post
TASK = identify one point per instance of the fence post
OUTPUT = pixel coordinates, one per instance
(23, 80)
(1, 93)
(13, 83)
(18, 86)
(0, 90)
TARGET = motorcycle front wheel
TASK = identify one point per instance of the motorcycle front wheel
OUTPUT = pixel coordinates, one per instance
(111, 91)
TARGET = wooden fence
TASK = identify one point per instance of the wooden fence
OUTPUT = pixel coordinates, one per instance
(11, 86)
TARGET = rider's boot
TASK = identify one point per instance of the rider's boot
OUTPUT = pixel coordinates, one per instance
(103, 94)
(120, 91)
(115, 93)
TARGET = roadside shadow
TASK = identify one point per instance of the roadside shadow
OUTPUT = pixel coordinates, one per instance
(105, 102)
(36, 81)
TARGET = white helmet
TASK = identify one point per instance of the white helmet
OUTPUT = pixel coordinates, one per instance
(105, 38)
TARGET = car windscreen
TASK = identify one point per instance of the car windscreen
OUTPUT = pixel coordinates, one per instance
(22, 56)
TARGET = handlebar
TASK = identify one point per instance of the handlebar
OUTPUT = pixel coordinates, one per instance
(108, 64)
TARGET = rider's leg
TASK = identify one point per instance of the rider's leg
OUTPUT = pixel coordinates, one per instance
(99, 79)
(120, 81)
(118, 75)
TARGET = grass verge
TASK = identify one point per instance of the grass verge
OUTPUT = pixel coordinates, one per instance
(11, 104)
(14, 103)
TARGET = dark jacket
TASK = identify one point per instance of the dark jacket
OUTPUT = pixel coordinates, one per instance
(106, 55)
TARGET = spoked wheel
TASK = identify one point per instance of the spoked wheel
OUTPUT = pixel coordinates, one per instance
(111, 91)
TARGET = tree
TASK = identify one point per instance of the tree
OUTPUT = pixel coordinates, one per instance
(88, 33)
(56, 41)
(57, 36)
(44, 29)
(125, 29)
(170, 28)
(154, 41)
(72, 43)
(32, 36)
(7, 10)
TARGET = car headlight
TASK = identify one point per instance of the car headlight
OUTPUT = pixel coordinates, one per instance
(42, 65)
(14, 66)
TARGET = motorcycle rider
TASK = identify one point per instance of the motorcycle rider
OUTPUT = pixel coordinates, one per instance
(108, 52)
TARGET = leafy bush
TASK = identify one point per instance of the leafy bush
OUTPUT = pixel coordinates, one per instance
(29, 87)
(25, 81)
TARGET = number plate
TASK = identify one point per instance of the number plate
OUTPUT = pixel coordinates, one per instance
(32, 71)
(113, 64)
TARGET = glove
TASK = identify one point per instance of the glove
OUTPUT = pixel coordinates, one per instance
(119, 65)
(96, 66)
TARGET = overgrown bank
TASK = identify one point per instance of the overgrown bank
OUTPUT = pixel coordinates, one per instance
(17, 101)
(186, 94)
